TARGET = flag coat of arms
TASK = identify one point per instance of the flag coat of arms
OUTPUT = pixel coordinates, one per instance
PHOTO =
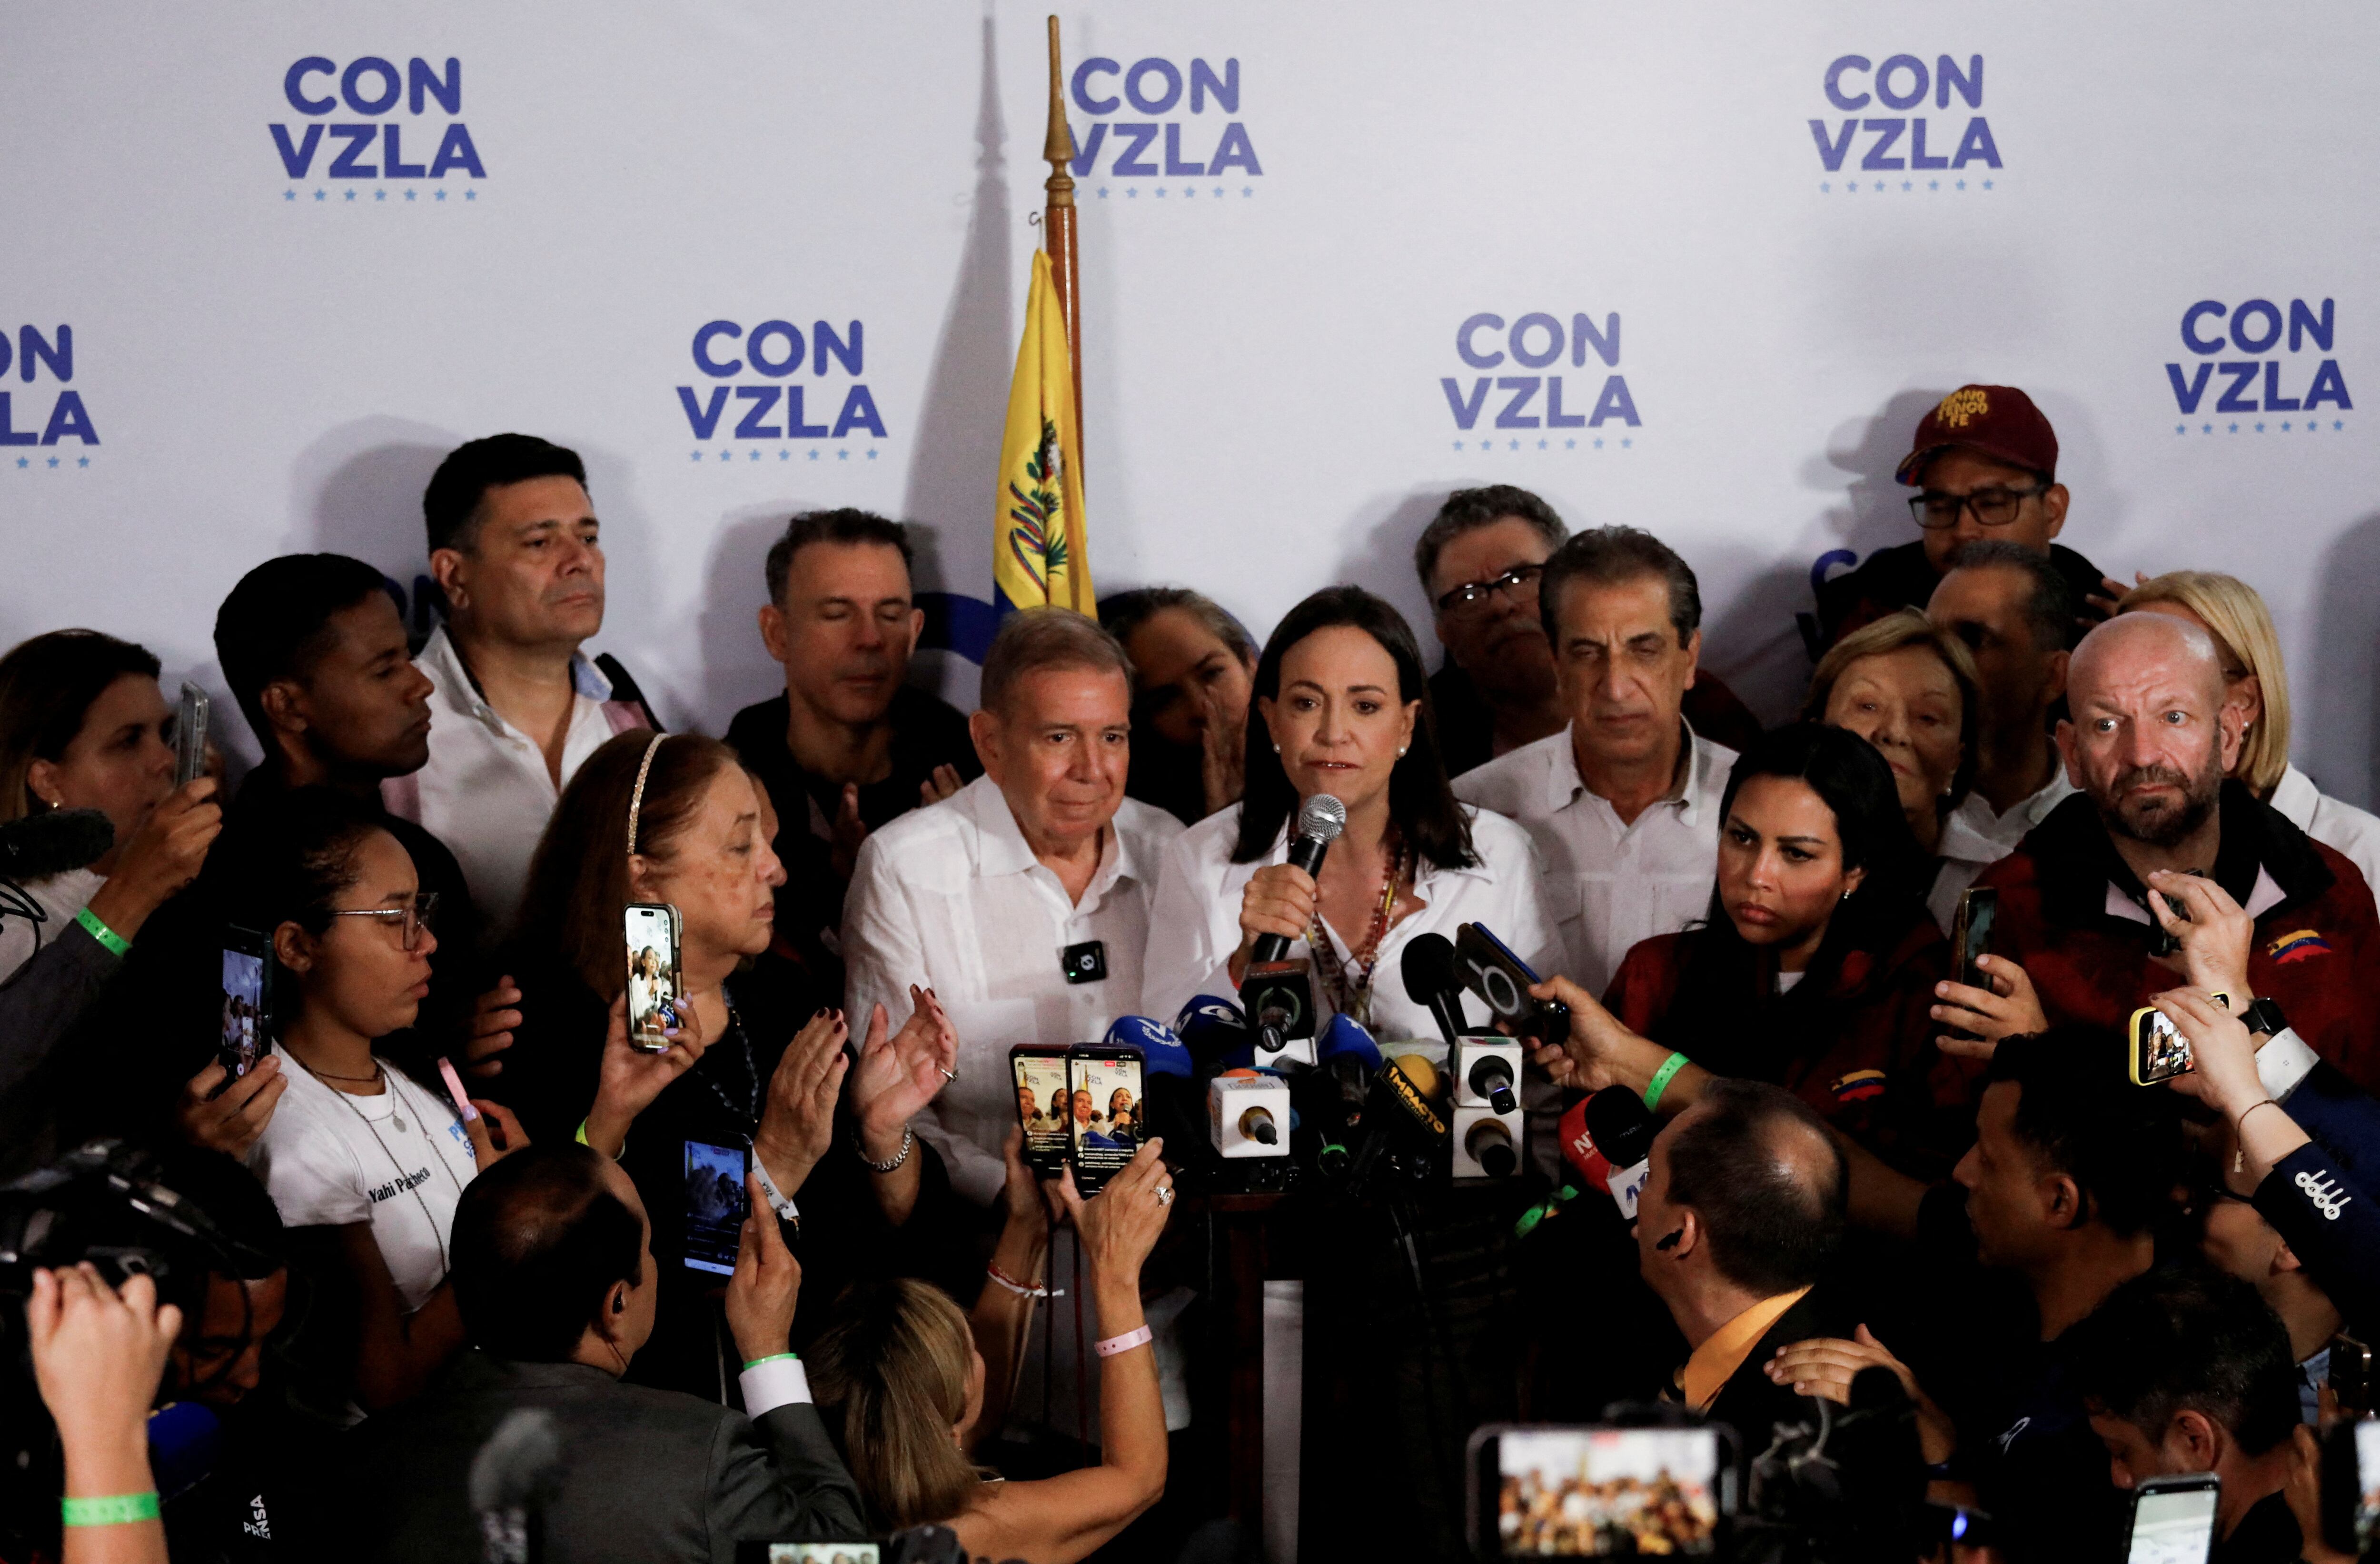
(1040, 552)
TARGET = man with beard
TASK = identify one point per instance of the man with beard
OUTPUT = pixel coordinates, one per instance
(2162, 873)
(1479, 560)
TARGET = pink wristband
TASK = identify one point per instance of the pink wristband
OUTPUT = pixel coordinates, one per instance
(1125, 1343)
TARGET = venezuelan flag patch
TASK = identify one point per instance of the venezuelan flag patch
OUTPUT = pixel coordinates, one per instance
(1859, 1086)
(2299, 945)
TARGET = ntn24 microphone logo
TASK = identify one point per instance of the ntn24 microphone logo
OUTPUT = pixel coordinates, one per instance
(1155, 118)
(26, 417)
(375, 91)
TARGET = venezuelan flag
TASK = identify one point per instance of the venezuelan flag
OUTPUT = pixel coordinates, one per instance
(1859, 1086)
(2298, 945)
(1040, 555)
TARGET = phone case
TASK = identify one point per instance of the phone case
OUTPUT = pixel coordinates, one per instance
(1104, 1108)
(651, 937)
(190, 736)
(1502, 980)
(247, 1001)
(2158, 1051)
(1971, 933)
(1043, 1098)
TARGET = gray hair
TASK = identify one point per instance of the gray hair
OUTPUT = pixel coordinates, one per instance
(1033, 640)
(1611, 556)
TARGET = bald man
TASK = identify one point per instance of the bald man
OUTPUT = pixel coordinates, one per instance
(2161, 873)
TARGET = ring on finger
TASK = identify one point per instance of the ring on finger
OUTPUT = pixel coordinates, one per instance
(1164, 1194)
(948, 1074)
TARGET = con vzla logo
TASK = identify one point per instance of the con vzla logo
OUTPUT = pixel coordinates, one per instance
(372, 146)
(2257, 377)
(1540, 341)
(775, 404)
(1169, 132)
(66, 416)
(1900, 142)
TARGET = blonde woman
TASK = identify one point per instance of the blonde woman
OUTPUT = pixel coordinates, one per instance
(2231, 611)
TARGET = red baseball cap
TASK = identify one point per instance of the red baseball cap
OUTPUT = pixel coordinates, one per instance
(1999, 421)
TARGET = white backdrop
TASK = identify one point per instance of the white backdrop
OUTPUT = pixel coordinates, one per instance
(270, 355)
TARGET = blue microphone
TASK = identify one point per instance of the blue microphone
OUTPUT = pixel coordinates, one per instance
(1346, 1038)
(1159, 1045)
(185, 1441)
(1216, 1033)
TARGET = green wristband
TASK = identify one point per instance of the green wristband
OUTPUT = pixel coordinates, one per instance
(771, 1358)
(115, 943)
(115, 1510)
(1662, 1079)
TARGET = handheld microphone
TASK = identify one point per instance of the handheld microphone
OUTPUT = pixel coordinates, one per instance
(1491, 1076)
(1319, 825)
(1622, 1131)
(1162, 1052)
(1431, 980)
(1216, 1033)
(514, 1474)
(39, 845)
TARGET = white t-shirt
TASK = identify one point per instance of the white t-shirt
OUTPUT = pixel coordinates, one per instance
(329, 1159)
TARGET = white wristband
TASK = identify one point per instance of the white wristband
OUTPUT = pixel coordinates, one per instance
(780, 1202)
(770, 1383)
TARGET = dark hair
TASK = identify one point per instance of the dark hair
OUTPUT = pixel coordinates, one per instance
(1467, 510)
(232, 1200)
(1031, 639)
(276, 621)
(451, 504)
(1727, 980)
(298, 857)
(2078, 1110)
(1122, 613)
(844, 526)
(577, 888)
(1773, 1219)
(538, 1239)
(47, 685)
(2048, 607)
(1420, 800)
(1613, 556)
(2190, 1339)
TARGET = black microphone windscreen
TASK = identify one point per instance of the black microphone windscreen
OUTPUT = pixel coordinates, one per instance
(39, 845)
(1429, 967)
(1621, 1125)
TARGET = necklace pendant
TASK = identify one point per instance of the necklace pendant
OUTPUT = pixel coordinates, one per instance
(397, 1121)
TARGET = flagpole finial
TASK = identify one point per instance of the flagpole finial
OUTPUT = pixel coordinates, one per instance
(1058, 147)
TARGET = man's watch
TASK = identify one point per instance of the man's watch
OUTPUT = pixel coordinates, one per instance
(2264, 1018)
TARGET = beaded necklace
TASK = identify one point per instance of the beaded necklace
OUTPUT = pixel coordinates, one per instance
(1350, 985)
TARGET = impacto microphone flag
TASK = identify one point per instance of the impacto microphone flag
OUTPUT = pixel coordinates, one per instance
(1040, 554)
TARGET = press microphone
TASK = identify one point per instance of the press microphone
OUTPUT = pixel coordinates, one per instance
(1431, 980)
(1162, 1051)
(1216, 1033)
(1621, 1127)
(514, 1474)
(1346, 1038)
(185, 1441)
(1319, 825)
(39, 845)
(1489, 1144)
(1491, 1076)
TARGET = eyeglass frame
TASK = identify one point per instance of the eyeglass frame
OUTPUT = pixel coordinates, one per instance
(417, 916)
(1453, 600)
(1967, 503)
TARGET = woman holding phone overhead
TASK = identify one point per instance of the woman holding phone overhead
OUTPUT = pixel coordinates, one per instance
(753, 1068)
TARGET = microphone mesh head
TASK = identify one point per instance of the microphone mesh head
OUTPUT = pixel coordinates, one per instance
(1322, 818)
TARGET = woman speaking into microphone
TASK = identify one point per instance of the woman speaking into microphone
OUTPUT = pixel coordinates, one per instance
(1344, 711)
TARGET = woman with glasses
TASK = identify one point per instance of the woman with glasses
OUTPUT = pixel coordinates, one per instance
(364, 1163)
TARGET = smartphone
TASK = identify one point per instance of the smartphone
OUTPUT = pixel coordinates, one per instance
(246, 994)
(2351, 1374)
(1971, 935)
(716, 1205)
(2160, 1051)
(190, 736)
(807, 1553)
(1489, 968)
(2351, 1486)
(1599, 1490)
(2173, 1519)
(1042, 1104)
(653, 986)
(1104, 1110)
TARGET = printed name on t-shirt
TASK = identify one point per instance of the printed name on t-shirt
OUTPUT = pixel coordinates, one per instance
(399, 1185)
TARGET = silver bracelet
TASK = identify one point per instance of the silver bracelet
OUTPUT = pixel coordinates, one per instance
(909, 1141)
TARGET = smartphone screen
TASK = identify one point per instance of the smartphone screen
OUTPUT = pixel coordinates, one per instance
(1042, 1104)
(807, 1553)
(1979, 908)
(1103, 1112)
(242, 1041)
(652, 974)
(2160, 1051)
(190, 736)
(1603, 1490)
(716, 1204)
(2172, 1525)
(2367, 1485)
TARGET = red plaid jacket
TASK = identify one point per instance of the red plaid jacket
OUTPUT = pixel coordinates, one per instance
(2316, 949)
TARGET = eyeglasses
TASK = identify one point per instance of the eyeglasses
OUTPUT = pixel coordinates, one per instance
(415, 918)
(1993, 507)
(1471, 595)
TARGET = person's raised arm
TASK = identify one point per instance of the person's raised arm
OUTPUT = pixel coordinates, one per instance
(897, 1075)
(1602, 1051)
(2223, 1076)
(166, 854)
(1060, 1519)
(1003, 1316)
(632, 1078)
(98, 1355)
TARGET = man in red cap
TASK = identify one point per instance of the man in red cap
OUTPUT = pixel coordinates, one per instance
(1984, 464)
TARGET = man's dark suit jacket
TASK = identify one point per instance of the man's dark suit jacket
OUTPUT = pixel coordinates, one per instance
(647, 1475)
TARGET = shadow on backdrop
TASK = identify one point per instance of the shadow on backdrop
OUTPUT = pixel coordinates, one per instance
(2340, 749)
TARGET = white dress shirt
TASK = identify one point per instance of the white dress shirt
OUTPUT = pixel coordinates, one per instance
(2345, 829)
(486, 792)
(1975, 836)
(1611, 882)
(951, 898)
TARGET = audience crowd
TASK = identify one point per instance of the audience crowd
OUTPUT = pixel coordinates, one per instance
(779, 1264)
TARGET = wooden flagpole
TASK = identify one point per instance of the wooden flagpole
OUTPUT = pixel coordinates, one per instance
(1058, 224)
